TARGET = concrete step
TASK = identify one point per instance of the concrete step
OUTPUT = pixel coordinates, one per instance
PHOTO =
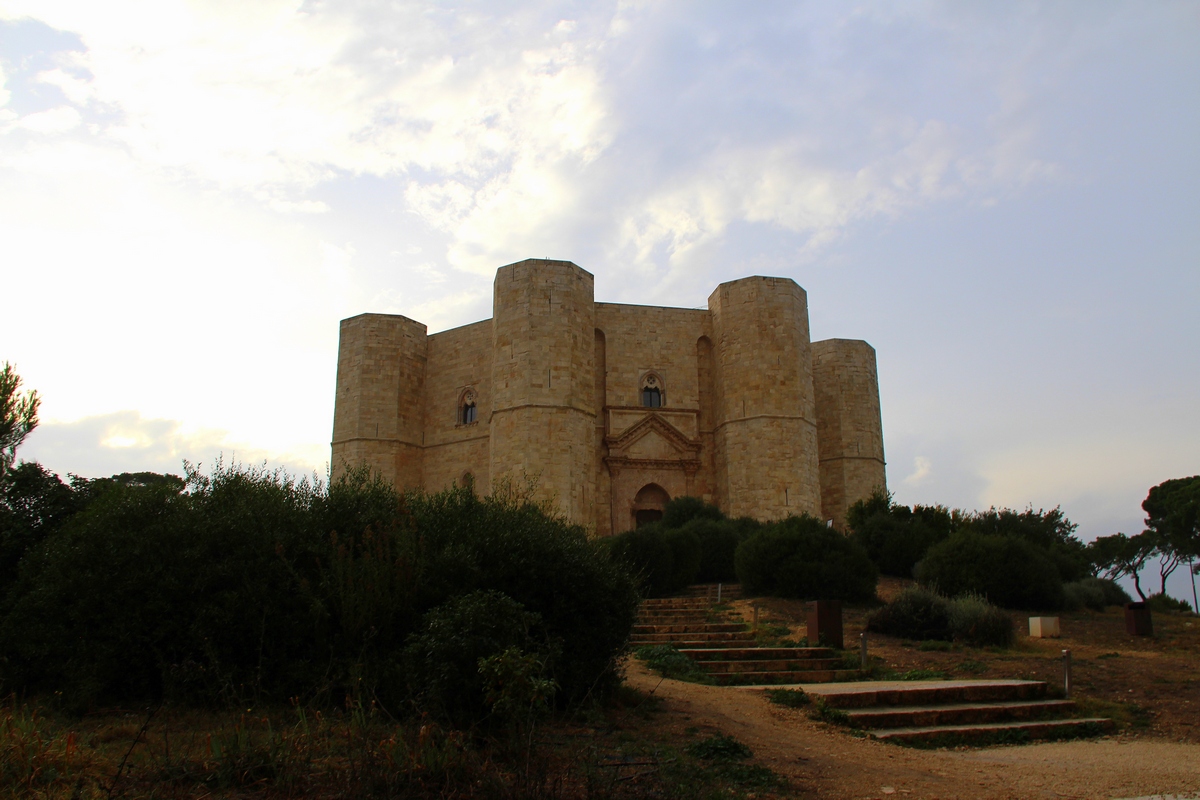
(769, 665)
(660, 619)
(757, 679)
(1039, 729)
(957, 713)
(927, 693)
(755, 653)
(696, 627)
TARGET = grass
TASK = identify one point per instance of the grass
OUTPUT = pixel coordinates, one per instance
(667, 661)
(1124, 715)
(790, 698)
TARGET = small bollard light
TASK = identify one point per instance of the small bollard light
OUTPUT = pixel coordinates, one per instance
(1066, 656)
(862, 645)
(718, 594)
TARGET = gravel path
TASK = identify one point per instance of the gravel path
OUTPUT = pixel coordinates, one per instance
(829, 763)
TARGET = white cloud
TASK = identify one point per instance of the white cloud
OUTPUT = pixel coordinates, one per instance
(56, 120)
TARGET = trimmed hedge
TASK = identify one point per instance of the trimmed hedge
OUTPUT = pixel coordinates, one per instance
(1094, 593)
(801, 557)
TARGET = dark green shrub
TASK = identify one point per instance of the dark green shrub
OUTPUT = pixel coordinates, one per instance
(586, 601)
(718, 543)
(685, 558)
(443, 656)
(1166, 604)
(922, 614)
(801, 557)
(249, 585)
(682, 510)
(894, 536)
(1049, 531)
(916, 613)
(975, 621)
(646, 553)
(1094, 593)
(1008, 571)
(666, 660)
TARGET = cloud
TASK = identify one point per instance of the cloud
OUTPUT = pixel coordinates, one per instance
(125, 441)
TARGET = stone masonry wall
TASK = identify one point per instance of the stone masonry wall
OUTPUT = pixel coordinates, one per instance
(849, 425)
(543, 420)
(755, 418)
(459, 359)
(766, 428)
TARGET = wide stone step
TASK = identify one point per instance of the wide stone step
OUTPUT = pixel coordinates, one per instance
(957, 714)
(1038, 729)
(672, 619)
(711, 642)
(769, 665)
(754, 679)
(928, 693)
(755, 653)
(698, 627)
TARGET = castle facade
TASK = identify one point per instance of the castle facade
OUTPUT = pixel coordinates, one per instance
(616, 409)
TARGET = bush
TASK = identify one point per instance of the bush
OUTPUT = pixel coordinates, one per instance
(249, 585)
(923, 614)
(685, 558)
(1166, 604)
(443, 657)
(894, 536)
(718, 543)
(682, 510)
(916, 613)
(975, 621)
(801, 557)
(1008, 571)
(645, 553)
(1094, 593)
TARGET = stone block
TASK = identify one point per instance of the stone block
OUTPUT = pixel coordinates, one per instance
(1044, 628)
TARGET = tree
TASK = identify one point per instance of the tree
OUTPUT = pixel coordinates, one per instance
(1173, 517)
(1119, 555)
(18, 415)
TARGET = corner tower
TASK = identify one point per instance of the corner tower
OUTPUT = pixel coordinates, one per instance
(378, 416)
(766, 434)
(849, 425)
(543, 419)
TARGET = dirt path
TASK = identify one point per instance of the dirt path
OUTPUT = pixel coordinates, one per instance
(827, 762)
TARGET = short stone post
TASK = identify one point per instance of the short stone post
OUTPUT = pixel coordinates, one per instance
(862, 646)
(718, 594)
(1066, 657)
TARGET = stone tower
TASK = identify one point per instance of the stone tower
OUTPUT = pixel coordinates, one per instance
(766, 433)
(543, 409)
(849, 424)
(378, 414)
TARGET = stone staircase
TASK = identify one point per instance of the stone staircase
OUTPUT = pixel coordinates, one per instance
(950, 712)
(724, 647)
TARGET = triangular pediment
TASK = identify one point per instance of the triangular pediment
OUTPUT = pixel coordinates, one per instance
(653, 438)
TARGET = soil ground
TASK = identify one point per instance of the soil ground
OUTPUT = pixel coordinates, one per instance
(1149, 685)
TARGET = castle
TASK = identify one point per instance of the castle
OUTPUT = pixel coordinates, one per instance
(616, 408)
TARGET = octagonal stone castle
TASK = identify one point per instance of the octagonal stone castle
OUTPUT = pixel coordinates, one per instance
(616, 409)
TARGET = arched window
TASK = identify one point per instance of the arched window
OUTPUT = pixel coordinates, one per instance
(653, 393)
(466, 407)
(467, 481)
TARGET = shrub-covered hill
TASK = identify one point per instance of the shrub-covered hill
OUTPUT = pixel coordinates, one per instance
(247, 584)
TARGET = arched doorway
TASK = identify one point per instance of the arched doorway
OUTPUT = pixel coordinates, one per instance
(649, 503)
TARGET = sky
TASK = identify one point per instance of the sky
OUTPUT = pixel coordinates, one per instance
(1002, 198)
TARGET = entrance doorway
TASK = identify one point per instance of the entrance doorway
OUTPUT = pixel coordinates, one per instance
(648, 504)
